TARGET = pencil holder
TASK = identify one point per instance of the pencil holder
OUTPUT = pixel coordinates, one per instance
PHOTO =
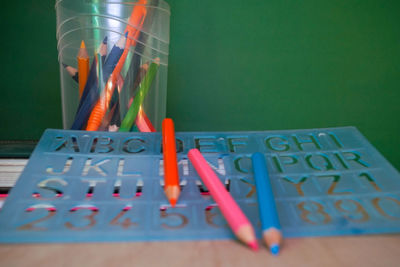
(113, 59)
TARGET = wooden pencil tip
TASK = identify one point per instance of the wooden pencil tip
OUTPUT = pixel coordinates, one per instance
(83, 44)
(172, 194)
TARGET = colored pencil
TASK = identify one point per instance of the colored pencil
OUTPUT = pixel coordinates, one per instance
(107, 120)
(139, 77)
(236, 219)
(143, 123)
(86, 101)
(141, 93)
(133, 28)
(266, 204)
(91, 88)
(171, 174)
(83, 67)
(149, 23)
(114, 56)
(93, 92)
(72, 71)
(103, 50)
(121, 94)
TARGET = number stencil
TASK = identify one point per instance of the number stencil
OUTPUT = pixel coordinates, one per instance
(93, 186)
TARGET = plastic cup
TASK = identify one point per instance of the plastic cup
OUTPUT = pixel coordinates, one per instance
(113, 83)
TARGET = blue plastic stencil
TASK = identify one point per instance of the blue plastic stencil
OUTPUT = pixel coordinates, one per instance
(102, 186)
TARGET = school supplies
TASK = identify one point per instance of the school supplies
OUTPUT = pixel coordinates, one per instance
(266, 204)
(101, 107)
(143, 123)
(229, 208)
(136, 19)
(143, 89)
(326, 182)
(83, 67)
(171, 174)
(146, 24)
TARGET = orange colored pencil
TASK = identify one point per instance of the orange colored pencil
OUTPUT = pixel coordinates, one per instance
(171, 175)
(133, 28)
(83, 67)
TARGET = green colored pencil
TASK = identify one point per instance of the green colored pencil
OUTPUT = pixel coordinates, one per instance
(144, 87)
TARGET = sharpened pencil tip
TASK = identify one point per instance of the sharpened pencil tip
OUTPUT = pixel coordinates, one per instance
(274, 249)
(253, 245)
(105, 40)
(83, 44)
(173, 201)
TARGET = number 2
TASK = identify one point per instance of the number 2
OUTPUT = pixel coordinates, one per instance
(51, 211)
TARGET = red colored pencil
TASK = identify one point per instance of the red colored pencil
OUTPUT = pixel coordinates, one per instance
(171, 175)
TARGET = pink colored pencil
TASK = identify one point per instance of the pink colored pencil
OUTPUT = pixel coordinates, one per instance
(143, 122)
(236, 219)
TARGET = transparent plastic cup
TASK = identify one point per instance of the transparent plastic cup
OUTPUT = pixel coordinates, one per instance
(113, 59)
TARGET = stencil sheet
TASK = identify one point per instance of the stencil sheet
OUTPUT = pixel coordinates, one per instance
(100, 186)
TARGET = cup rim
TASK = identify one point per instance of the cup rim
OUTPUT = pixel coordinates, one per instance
(168, 10)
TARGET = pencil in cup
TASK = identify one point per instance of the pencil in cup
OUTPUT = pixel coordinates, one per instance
(102, 104)
(266, 204)
(141, 93)
(171, 174)
(142, 122)
(133, 29)
(236, 219)
(83, 67)
(90, 93)
(103, 50)
(91, 89)
(73, 72)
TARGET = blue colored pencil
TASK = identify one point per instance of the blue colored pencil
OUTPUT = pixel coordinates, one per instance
(266, 204)
(88, 93)
(103, 50)
(93, 89)
(113, 57)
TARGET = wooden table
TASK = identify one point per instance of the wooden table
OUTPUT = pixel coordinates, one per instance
(379, 250)
(373, 250)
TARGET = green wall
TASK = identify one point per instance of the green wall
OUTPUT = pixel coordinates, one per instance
(235, 65)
